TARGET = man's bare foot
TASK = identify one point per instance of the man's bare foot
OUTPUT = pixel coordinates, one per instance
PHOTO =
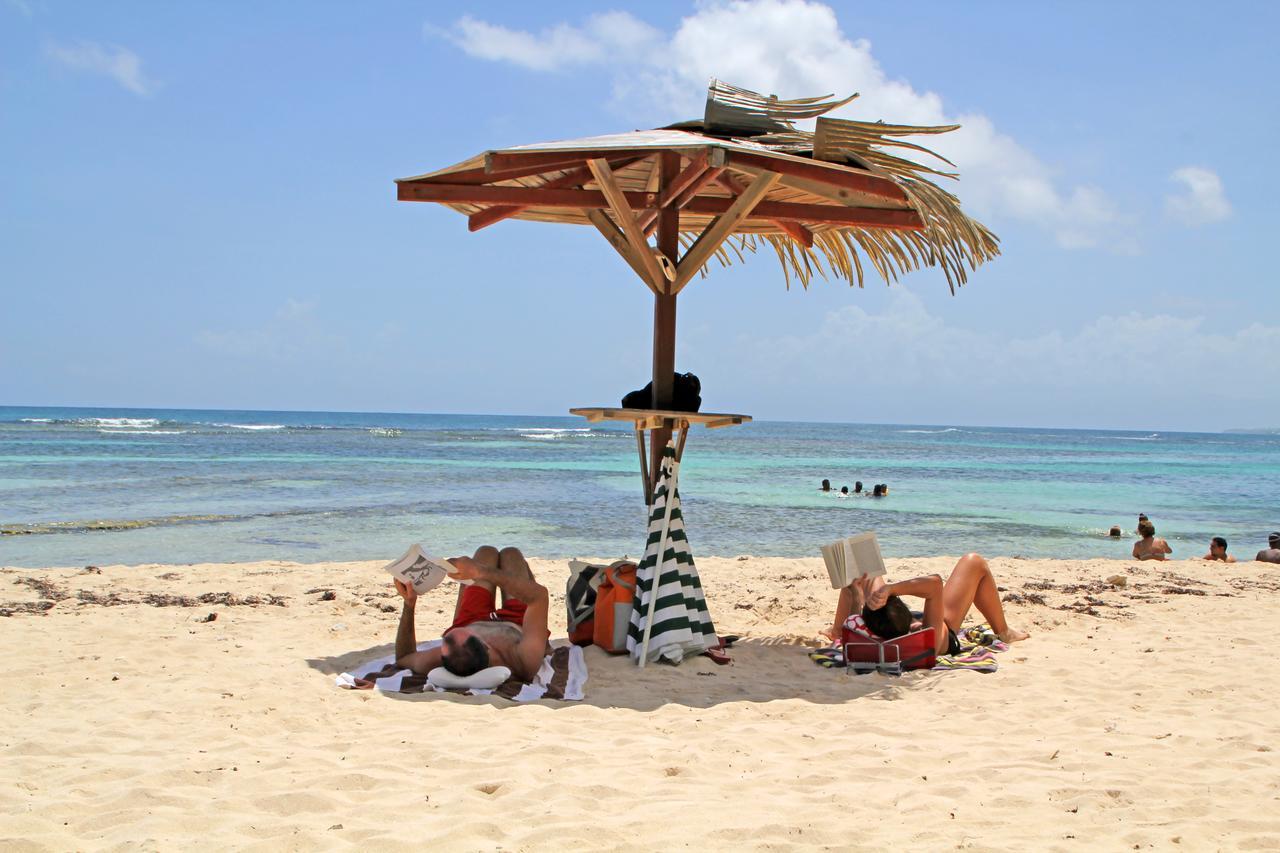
(1013, 635)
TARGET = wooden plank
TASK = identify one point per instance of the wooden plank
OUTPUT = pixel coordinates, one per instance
(705, 246)
(822, 173)
(626, 220)
(577, 177)
(498, 161)
(866, 217)
(637, 415)
(620, 243)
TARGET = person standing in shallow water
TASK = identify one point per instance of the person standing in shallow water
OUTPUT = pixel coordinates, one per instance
(1149, 547)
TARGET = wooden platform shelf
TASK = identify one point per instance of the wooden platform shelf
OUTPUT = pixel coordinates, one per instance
(650, 419)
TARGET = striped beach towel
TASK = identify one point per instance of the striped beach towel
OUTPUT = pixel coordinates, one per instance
(681, 623)
(563, 675)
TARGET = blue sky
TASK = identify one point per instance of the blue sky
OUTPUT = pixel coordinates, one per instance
(197, 210)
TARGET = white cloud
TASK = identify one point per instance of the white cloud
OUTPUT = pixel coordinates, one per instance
(294, 334)
(607, 36)
(1202, 199)
(908, 365)
(797, 48)
(119, 63)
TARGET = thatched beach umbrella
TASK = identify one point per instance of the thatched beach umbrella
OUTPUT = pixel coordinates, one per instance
(827, 202)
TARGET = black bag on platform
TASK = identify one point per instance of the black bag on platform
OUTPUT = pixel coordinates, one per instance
(686, 393)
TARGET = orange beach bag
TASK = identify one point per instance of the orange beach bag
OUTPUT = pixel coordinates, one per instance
(614, 602)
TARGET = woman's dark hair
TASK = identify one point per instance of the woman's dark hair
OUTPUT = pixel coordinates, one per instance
(857, 487)
(826, 485)
(1146, 528)
(466, 658)
(1220, 542)
(892, 620)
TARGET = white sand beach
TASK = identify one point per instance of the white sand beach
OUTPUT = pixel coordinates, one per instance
(1136, 716)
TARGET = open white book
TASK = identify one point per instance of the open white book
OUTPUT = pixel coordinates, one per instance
(422, 572)
(853, 558)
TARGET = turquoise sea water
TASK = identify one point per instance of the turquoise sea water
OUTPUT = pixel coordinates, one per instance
(99, 486)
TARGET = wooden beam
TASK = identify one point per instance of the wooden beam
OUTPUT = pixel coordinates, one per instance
(577, 177)
(865, 217)
(690, 174)
(524, 196)
(792, 229)
(829, 214)
(705, 246)
(796, 231)
(497, 161)
(619, 242)
(692, 190)
(834, 176)
(627, 220)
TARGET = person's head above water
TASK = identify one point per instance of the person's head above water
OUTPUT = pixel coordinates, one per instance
(826, 485)
(857, 486)
(844, 490)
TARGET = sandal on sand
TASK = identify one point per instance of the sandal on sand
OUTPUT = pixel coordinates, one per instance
(828, 658)
(718, 656)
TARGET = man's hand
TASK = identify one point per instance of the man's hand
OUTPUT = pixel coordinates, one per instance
(407, 592)
(465, 569)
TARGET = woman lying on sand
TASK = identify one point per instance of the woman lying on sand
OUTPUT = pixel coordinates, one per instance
(946, 603)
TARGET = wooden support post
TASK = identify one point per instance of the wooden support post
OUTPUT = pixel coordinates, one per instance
(645, 482)
(664, 313)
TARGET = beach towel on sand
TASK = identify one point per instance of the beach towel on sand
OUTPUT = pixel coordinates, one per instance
(563, 676)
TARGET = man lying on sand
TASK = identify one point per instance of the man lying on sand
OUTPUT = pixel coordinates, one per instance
(946, 603)
(483, 635)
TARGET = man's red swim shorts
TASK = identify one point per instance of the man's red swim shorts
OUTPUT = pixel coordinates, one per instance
(478, 605)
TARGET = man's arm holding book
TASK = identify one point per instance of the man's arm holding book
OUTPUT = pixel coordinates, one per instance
(407, 654)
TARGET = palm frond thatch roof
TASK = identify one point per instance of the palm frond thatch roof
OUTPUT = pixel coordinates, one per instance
(828, 202)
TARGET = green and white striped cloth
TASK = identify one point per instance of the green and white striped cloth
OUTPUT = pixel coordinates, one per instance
(681, 624)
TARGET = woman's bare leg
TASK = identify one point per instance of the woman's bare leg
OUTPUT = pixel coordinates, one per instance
(972, 585)
(844, 606)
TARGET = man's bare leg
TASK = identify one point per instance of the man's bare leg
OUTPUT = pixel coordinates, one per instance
(972, 585)
(512, 562)
(487, 556)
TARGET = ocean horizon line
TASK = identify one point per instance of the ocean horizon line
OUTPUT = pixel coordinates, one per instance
(567, 416)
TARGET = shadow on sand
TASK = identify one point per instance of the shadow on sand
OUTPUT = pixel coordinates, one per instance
(764, 669)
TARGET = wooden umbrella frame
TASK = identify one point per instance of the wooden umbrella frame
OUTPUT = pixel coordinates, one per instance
(831, 195)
